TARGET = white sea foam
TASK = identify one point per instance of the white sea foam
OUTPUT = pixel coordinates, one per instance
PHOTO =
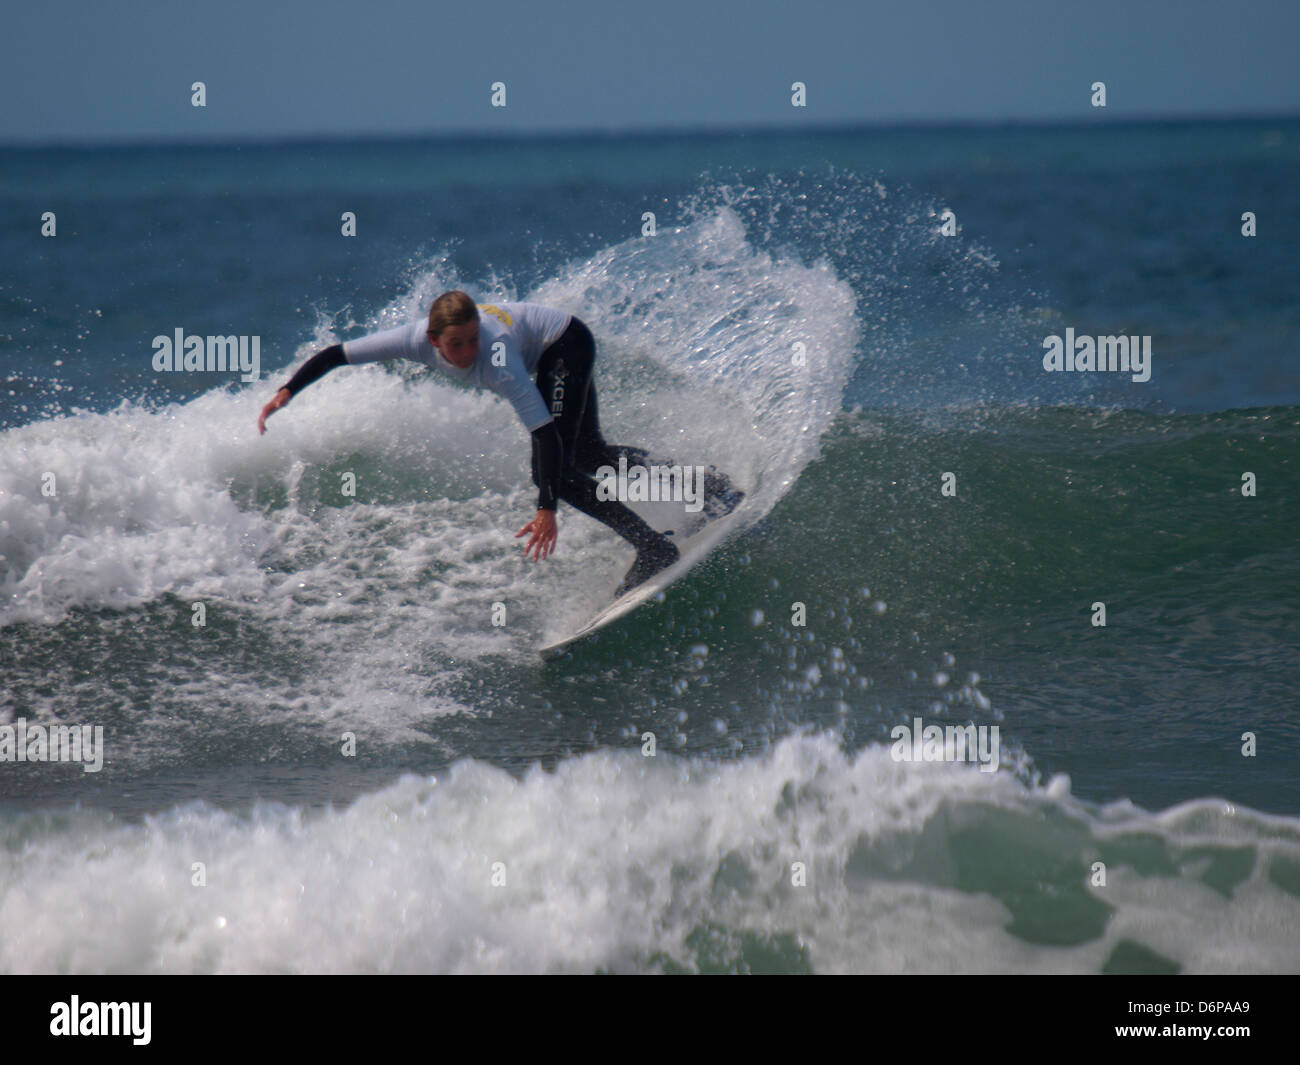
(625, 863)
(391, 593)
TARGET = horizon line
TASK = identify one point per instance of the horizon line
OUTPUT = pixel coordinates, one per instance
(1084, 121)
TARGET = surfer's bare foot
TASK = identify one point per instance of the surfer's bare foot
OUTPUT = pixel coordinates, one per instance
(650, 560)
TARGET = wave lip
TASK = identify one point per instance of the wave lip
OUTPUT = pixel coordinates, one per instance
(695, 332)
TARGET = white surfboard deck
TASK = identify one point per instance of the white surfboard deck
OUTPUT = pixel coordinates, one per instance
(693, 548)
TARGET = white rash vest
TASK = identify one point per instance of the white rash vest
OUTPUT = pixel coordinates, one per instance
(525, 330)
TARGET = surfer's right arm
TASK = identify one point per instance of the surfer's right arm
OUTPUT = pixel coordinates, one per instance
(399, 342)
(312, 370)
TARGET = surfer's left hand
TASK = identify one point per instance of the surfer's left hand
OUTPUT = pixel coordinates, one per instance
(542, 542)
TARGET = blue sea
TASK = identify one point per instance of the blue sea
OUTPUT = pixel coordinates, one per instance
(328, 741)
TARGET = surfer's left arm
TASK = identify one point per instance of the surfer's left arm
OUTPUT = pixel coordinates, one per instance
(548, 453)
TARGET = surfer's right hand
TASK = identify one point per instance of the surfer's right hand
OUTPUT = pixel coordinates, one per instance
(277, 401)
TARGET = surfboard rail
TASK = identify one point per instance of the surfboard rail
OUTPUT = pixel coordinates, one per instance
(694, 549)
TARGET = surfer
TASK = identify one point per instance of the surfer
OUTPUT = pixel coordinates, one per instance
(499, 347)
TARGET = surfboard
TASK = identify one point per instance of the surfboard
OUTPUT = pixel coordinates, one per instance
(694, 548)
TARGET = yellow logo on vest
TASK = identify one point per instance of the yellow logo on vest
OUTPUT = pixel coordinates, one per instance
(496, 312)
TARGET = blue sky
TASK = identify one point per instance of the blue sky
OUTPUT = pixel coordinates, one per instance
(92, 71)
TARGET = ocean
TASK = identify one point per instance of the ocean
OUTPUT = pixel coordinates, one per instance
(328, 742)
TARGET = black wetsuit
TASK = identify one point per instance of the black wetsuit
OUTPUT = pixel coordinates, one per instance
(568, 451)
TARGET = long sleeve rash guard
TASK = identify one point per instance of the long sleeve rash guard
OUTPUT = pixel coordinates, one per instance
(512, 337)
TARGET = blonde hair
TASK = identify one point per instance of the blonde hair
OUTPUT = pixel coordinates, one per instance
(451, 308)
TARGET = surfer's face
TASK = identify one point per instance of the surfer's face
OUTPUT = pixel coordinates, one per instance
(458, 344)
